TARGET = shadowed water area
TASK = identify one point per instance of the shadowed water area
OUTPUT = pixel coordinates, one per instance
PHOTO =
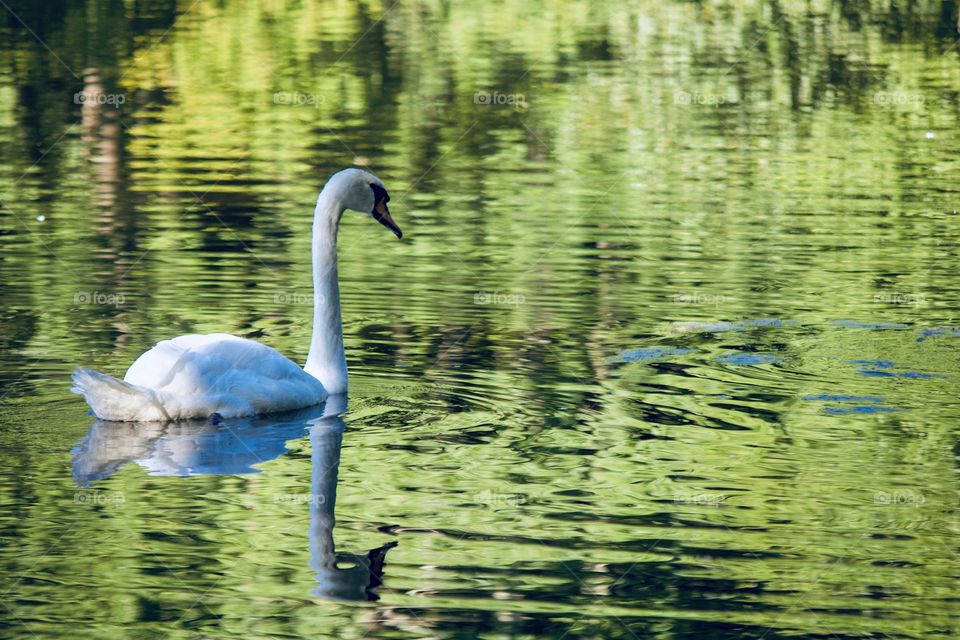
(669, 348)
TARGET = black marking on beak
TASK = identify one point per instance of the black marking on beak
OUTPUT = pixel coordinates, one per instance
(380, 211)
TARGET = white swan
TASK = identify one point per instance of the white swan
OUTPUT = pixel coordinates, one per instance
(201, 375)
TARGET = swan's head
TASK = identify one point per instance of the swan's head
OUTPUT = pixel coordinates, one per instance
(362, 191)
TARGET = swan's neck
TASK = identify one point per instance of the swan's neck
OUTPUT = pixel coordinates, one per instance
(326, 360)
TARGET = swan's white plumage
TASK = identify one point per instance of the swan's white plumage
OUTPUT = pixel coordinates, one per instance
(198, 375)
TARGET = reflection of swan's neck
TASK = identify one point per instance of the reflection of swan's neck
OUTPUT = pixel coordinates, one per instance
(326, 360)
(326, 436)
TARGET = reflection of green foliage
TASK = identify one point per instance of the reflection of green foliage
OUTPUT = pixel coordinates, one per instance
(771, 155)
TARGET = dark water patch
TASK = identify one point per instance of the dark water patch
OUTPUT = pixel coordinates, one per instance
(739, 325)
(767, 415)
(748, 359)
(876, 364)
(827, 397)
(863, 409)
(882, 369)
(877, 326)
(934, 332)
(912, 375)
(648, 354)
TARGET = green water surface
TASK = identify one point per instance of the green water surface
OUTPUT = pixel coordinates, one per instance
(669, 348)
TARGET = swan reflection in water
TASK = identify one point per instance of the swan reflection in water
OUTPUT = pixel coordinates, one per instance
(197, 447)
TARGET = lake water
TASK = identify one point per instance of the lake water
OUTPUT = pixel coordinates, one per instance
(669, 348)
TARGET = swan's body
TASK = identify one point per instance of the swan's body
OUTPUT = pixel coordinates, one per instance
(200, 375)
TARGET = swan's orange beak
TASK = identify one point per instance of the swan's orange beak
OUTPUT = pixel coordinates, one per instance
(382, 215)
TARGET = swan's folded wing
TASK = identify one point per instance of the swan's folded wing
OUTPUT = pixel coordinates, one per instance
(198, 375)
(157, 367)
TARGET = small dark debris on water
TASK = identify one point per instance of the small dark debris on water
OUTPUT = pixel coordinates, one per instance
(215, 418)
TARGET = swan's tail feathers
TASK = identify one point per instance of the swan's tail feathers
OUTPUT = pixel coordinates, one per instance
(113, 399)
